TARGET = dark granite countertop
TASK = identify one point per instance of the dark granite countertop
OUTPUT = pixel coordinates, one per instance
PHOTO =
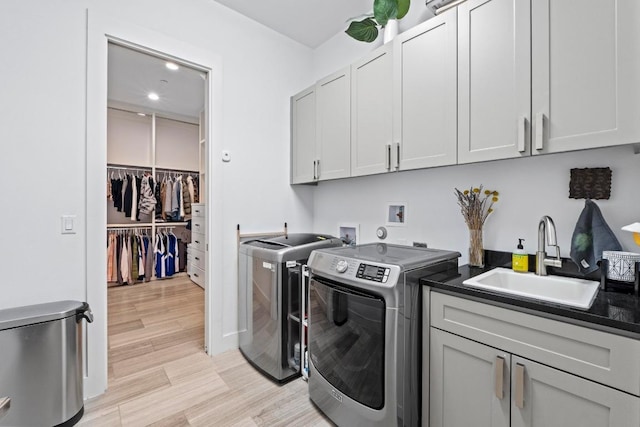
(612, 311)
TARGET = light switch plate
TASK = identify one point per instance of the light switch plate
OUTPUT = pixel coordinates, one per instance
(68, 224)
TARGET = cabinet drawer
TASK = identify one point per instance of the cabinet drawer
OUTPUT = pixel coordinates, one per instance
(197, 275)
(197, 225)
(196, 257)
(197, 241)
(602, 357)
(198, 210)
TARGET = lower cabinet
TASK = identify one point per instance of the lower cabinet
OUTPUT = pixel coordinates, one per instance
(473, 384)
(543, 396)
(470, 384)
(493, 366)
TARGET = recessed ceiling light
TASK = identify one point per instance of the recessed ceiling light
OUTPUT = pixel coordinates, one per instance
(153, 96)
(142, 114)
(171, 65)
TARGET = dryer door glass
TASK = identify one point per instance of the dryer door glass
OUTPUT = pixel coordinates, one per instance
(346, 340)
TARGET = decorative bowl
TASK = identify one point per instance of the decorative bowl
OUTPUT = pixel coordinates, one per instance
(621, 265)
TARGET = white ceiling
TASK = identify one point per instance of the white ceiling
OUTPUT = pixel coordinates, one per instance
(132, 75)
(310, 22)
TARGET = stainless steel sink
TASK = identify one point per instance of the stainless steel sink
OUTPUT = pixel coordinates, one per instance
(556, 289)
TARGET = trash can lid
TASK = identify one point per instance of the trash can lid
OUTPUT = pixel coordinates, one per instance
(31, 314)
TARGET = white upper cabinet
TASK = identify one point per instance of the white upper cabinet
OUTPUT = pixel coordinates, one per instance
(586, 74)
(494, 79)
(372, 112)
(333, 102)
(425, 94)
(303, 136)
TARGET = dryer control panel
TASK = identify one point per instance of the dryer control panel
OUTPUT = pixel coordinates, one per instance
(373, 272)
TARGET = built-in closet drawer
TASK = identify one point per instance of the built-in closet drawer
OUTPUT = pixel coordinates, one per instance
(599, 356)
(198, 210)
(197, 258)
(197, 225)
(197, 275)
(197, 240)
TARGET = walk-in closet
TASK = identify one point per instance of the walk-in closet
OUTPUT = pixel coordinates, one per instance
(156, 223)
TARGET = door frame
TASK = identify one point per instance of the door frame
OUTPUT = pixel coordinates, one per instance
(101, 30)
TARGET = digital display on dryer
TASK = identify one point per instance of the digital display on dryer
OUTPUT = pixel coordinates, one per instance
(370, 271)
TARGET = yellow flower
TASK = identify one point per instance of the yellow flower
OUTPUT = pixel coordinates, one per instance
(490, 210)
(495, 193)
(487, 192)
(476, 190)
(494, 199)
(466, 192)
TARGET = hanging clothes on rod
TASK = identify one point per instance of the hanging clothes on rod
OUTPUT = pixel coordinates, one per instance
(166, 254)
(128, 257)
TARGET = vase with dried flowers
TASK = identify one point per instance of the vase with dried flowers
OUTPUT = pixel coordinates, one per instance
(476, 205)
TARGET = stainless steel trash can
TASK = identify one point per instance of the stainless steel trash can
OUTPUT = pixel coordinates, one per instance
(41, 363)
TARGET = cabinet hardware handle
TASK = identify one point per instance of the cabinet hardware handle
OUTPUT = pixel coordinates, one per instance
(539, 131)
(314, 169)
(388, 156)
(196, 274)
(197, 259)
(522, 134)
(519, 386)
(397, 155)
(5, 404)
(499, 377)
(197, 241)
(318, 169)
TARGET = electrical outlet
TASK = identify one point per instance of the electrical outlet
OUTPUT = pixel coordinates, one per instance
(419, 244)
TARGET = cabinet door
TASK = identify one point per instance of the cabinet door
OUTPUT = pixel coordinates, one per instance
(425, 93)
(333, 101)
(494, 78)
(372, 112)
(469, 383)
(586, 63)
(303, 136)
(543, 396)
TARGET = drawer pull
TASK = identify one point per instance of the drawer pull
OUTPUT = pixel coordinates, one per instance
(196, 274)
(197, 259)
(499, 377)
(197, 241)
(519, 386)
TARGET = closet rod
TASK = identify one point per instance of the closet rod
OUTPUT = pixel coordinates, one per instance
(128, 167)
(127, 226)
(177, 170)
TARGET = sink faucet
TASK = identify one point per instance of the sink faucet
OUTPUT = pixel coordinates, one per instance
(547, 230)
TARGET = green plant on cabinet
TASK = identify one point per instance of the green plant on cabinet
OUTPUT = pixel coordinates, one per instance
(366, 30)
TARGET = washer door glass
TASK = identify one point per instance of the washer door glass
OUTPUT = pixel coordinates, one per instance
(346, 340)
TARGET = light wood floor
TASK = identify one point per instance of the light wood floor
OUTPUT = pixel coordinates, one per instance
(159, 374)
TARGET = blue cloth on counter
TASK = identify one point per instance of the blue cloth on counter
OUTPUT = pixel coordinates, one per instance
(591, 236)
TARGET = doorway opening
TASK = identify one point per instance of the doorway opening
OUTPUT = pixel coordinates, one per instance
(156, 202)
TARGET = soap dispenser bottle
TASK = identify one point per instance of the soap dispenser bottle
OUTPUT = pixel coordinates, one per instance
(520, 259)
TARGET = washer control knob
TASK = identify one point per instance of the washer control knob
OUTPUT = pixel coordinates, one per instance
(342, 266)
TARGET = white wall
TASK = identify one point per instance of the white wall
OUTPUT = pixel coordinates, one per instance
(42, 132)
(529, 188)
